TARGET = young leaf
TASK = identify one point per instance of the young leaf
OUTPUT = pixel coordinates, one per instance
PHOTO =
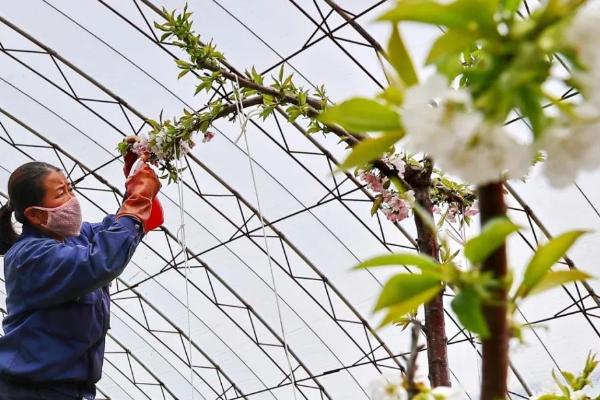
(400, 59)
(450, 43)
(544, 258)
(369, 149)
(393, 94)
(406, 290)
(468, 308)
(492, 236)
(182, 73)
(376, 205)
(511, 5)
(421, 261)
(556, 278)
(362, 115)
(529, 102)
(396, 312)
(474, 15)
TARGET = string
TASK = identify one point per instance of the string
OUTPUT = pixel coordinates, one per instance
(182, 242)
(180, 234)
(243, 119)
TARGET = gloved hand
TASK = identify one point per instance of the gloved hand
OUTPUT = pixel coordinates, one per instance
(142, 188)
(156, 214)
(129, 158)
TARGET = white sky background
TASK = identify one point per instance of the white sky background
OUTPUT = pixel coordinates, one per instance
(332, 236)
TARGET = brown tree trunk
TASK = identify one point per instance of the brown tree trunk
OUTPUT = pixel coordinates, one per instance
(437, 347)
(495, 348)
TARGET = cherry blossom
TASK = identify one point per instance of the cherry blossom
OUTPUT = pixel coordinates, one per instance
(396, 162)
(445, 393)
(570, 149)
(208, 135)
(582, 35)
(442, 122)
(374, 182)
(141, 145)
(388, 387)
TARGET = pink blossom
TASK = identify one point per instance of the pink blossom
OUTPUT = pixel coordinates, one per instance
(374, 182)
(396, 215)
(141, 147)
(397, 204)
(395, 161)
(403, 213)
(208, 136)
(387, 195)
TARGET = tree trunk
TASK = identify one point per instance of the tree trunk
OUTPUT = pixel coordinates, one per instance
(437, 347)
(495, 348)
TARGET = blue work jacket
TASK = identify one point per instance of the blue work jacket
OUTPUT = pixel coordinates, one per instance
(57, 300)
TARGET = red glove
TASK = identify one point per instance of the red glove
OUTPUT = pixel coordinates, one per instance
(156, 218)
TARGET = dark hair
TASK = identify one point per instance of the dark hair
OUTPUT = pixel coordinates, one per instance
(25, 189)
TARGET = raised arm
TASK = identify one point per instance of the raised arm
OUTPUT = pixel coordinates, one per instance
(53, 272)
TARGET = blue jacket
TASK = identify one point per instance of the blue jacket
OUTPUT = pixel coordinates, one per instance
(57, 300)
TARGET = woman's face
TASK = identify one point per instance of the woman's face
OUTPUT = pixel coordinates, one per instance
(58, 191)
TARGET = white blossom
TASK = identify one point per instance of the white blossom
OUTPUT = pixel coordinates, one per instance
(446, 393)
(570, 149)
(388, 387)
(395, 161)
(582, 35)
(441, 121)
(141, 145)
(579, 395)
(433, 116)
(485, 156)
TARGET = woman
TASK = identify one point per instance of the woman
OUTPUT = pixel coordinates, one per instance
(57, 275)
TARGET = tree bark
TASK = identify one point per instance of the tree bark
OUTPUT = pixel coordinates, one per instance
(495, 348)
(435, 327)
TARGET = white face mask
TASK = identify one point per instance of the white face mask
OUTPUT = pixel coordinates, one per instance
(64, 220)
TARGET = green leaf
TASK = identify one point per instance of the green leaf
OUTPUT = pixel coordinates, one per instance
(376, 205)
(450, 43)
(421, 261)
(468, 308)
(569, 377)
(473, 15)
(155, 125)
(400, 59)
(529, 102)
(562, 387)
(182, 73)
(544, 258)
(393, 94)
(556, 278)
(550, 396)
(492, 236)
(590, 364)
(511, 5)
(362, 115)
(123, 147)
(183, 64)
(406, 290)
(396, 312)
(370, 149)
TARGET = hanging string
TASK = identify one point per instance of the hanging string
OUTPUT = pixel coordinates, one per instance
(180, 234)
(243, 119)
(182, 242)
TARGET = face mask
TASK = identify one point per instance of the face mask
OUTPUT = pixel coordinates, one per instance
(64, 220)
